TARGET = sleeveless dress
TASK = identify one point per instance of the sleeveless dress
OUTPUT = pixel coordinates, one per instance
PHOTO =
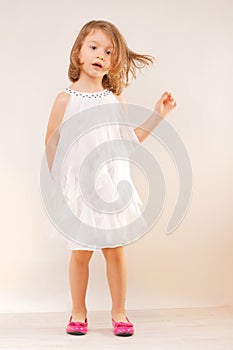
(78, 102)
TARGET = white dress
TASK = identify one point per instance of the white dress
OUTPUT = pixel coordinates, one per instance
(115, 171)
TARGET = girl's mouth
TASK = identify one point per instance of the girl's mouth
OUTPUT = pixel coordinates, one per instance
(97, 65)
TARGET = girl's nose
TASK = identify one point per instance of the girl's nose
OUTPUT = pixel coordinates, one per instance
(100, 56)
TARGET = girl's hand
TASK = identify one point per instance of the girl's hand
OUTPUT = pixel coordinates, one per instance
(165, 105)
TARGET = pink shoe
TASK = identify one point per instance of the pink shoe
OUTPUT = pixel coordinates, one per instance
(77, 328)
(122, 328)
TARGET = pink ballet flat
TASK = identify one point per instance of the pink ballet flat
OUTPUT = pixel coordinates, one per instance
(76, 328)
(122, 328)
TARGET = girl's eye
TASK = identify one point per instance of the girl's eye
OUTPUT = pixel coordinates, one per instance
(93, 47)
(108, 52)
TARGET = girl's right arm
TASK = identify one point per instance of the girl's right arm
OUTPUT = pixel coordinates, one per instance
(55, 119)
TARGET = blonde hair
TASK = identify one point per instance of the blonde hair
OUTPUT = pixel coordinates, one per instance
(123, 61)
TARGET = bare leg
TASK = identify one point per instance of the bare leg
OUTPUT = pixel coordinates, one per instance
(116, 273)
(78, 274)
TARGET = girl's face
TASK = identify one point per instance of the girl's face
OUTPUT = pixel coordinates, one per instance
(95, 54)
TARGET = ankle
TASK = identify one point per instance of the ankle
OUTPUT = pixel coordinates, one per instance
(119, 316)
(79, 311)
(79, 316)
(118, 312)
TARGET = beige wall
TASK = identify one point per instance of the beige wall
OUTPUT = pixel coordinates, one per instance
(192, 42)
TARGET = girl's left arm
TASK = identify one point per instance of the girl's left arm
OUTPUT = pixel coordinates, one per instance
(164, 106)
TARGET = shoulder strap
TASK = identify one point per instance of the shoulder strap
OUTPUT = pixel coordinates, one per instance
(68, 91)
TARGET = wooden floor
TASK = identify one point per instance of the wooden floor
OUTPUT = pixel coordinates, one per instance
(162, 329)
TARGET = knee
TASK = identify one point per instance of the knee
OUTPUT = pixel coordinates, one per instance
(82, 257)
(113, 253)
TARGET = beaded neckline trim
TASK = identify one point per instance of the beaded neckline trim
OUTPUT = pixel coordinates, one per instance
(88, 94)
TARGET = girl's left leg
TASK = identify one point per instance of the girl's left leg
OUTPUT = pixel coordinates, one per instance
(116, 274)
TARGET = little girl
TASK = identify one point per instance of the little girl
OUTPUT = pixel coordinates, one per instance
(100, 63)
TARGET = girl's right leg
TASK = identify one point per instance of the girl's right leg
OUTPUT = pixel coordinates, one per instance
(78, 275)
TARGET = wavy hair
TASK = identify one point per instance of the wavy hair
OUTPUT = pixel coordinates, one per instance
(123, 60)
